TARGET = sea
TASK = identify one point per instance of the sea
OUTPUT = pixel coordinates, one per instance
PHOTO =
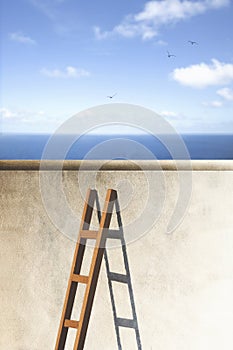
(135, 146)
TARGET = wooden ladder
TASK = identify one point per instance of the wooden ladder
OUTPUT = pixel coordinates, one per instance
(90, 280)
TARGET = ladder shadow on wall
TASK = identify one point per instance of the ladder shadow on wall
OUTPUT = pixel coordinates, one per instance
(125, 279)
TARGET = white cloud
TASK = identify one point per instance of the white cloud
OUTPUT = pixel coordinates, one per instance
(99, 34)
(46, 7)
(202, 75)
(68, 72)
(215, 104)
(24, 120)
(53, 10)
(167, 11)
(21, 38)
(132, 29)
(226, 93)
(21, 115)
(169, 114)
(157, 13)
(127, 30)
(161, 43)
(5, 113)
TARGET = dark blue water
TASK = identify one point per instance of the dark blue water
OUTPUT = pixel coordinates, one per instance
(200, 146)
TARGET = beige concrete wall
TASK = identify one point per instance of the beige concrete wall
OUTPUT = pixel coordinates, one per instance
(182, 282)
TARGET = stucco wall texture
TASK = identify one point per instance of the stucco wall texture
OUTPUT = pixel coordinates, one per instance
(182, 282)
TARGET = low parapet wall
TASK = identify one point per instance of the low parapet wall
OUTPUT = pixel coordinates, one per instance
(117, 165)
(182, 282)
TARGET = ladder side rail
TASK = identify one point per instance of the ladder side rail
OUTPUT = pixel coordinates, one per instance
(76, 267)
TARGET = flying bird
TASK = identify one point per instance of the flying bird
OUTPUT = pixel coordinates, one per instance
(192, 42)
(170, 55)
(111, 96)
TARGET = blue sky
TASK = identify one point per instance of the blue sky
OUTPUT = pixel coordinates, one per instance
(60, 57)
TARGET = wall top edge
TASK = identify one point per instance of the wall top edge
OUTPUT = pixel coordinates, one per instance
(117, 165)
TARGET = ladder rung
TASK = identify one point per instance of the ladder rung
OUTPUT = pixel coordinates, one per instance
(79, 278)
(92, 234)
(114, 234)
(118, 277)
(89, 234)
(124, 322)
(71, 324)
